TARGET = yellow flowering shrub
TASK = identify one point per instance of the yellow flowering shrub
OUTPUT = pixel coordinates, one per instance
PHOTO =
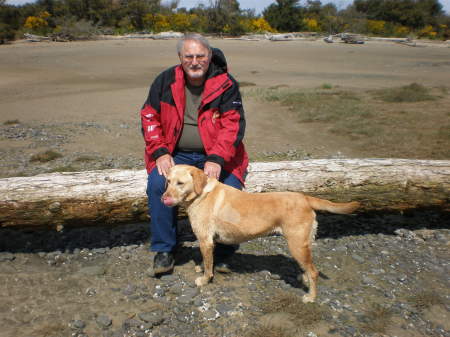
(36, 23)
(260, 25)
(376, 26)
(427, 32)
(311, 24)
(183, 22)
(401, 31)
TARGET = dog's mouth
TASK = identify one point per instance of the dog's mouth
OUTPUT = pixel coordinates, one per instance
(168, 201)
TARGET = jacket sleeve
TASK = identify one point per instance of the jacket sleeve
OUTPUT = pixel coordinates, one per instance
(155, 144)
(232, 126)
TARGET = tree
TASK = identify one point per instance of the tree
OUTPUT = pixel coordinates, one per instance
(9, 22)
(411, 13)
(284, 16)
(223, 16)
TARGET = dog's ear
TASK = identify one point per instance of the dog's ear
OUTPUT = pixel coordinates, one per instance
(200, 180)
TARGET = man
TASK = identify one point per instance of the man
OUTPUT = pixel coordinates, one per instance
(193, 115)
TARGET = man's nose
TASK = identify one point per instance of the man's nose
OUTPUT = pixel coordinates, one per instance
(195, 60)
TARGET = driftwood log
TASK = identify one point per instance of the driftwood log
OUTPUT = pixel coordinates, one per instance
(117, 196)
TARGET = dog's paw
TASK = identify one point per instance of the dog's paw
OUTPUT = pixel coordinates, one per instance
(198, 268)
(308, 298)
(201, 281)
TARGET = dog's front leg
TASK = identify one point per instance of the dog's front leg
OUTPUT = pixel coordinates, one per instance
(207, 249)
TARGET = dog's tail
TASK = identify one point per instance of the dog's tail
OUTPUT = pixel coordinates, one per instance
(333, 207)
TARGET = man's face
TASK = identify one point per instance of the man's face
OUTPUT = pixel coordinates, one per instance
(195, 59)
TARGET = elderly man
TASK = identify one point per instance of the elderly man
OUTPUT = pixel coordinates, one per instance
(193, 115)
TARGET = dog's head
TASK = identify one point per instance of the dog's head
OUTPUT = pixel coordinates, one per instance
(184, 184)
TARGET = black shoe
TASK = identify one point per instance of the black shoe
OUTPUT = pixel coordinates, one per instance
(163, 263)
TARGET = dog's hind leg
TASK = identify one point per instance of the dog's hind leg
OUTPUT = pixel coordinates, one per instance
(299, 243)
(207, 250)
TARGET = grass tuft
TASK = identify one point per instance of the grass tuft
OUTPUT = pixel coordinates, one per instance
(413, 92)
(326, 86)
(377, 319)
(11, 122)
(305, 314)
(246, 84)
(268, 332)
(300, 316)
(425, 299)
(46, 156)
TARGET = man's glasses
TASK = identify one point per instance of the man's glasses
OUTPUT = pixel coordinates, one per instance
(199, 57)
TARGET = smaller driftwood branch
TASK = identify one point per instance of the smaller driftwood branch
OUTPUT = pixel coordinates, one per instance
(115, 196)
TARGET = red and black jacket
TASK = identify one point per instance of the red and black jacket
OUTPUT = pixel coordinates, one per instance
(221, 122)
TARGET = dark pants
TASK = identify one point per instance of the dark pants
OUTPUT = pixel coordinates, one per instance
(164, 219)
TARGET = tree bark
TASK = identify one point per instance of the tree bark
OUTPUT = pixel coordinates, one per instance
(118, 196)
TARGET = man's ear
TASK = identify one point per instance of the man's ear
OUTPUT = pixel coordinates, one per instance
(200, 180)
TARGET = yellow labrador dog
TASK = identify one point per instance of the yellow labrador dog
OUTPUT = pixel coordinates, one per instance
(220, 213)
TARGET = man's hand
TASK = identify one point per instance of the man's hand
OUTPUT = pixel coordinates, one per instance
(212, 170)
(164, 163)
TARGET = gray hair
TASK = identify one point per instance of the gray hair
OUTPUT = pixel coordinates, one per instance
(193, 37)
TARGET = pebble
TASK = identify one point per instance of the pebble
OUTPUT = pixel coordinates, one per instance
(103, 321)
(93, 271)
(6, 256)
(358, 258)
(153, 318)
(129, 290)
(171, 306)
(77, 324)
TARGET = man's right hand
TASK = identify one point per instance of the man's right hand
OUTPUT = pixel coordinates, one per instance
(164, 163)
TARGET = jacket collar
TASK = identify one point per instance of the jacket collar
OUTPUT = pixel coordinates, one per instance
(216, 83)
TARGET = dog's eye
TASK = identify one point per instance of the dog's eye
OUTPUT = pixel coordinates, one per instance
(179, 183)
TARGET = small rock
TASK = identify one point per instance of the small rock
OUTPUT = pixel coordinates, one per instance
(425, 234)
(131, 323)
(275, 276)
(367, 280)
(224, 308)
(358, 258)
(159, 292)
(91, 292)
(103, 321)
(341, 249)
(77, 324)
(153, 318)
(6, 256)
(176, 289)
(93, 271)
(211, 315)
(402, 278)
(99, 251)
(129, 290)
(168, 278)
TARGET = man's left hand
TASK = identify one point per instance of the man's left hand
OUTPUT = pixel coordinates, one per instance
(212, 170)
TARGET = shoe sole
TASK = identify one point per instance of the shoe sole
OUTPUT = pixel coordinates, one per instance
(163, 270)
(223, 270)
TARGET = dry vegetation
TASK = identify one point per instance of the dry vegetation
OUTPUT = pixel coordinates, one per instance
(386, 117)
(45, 156)
(282, 310)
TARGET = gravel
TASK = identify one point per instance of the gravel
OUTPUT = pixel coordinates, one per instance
(389, 277)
